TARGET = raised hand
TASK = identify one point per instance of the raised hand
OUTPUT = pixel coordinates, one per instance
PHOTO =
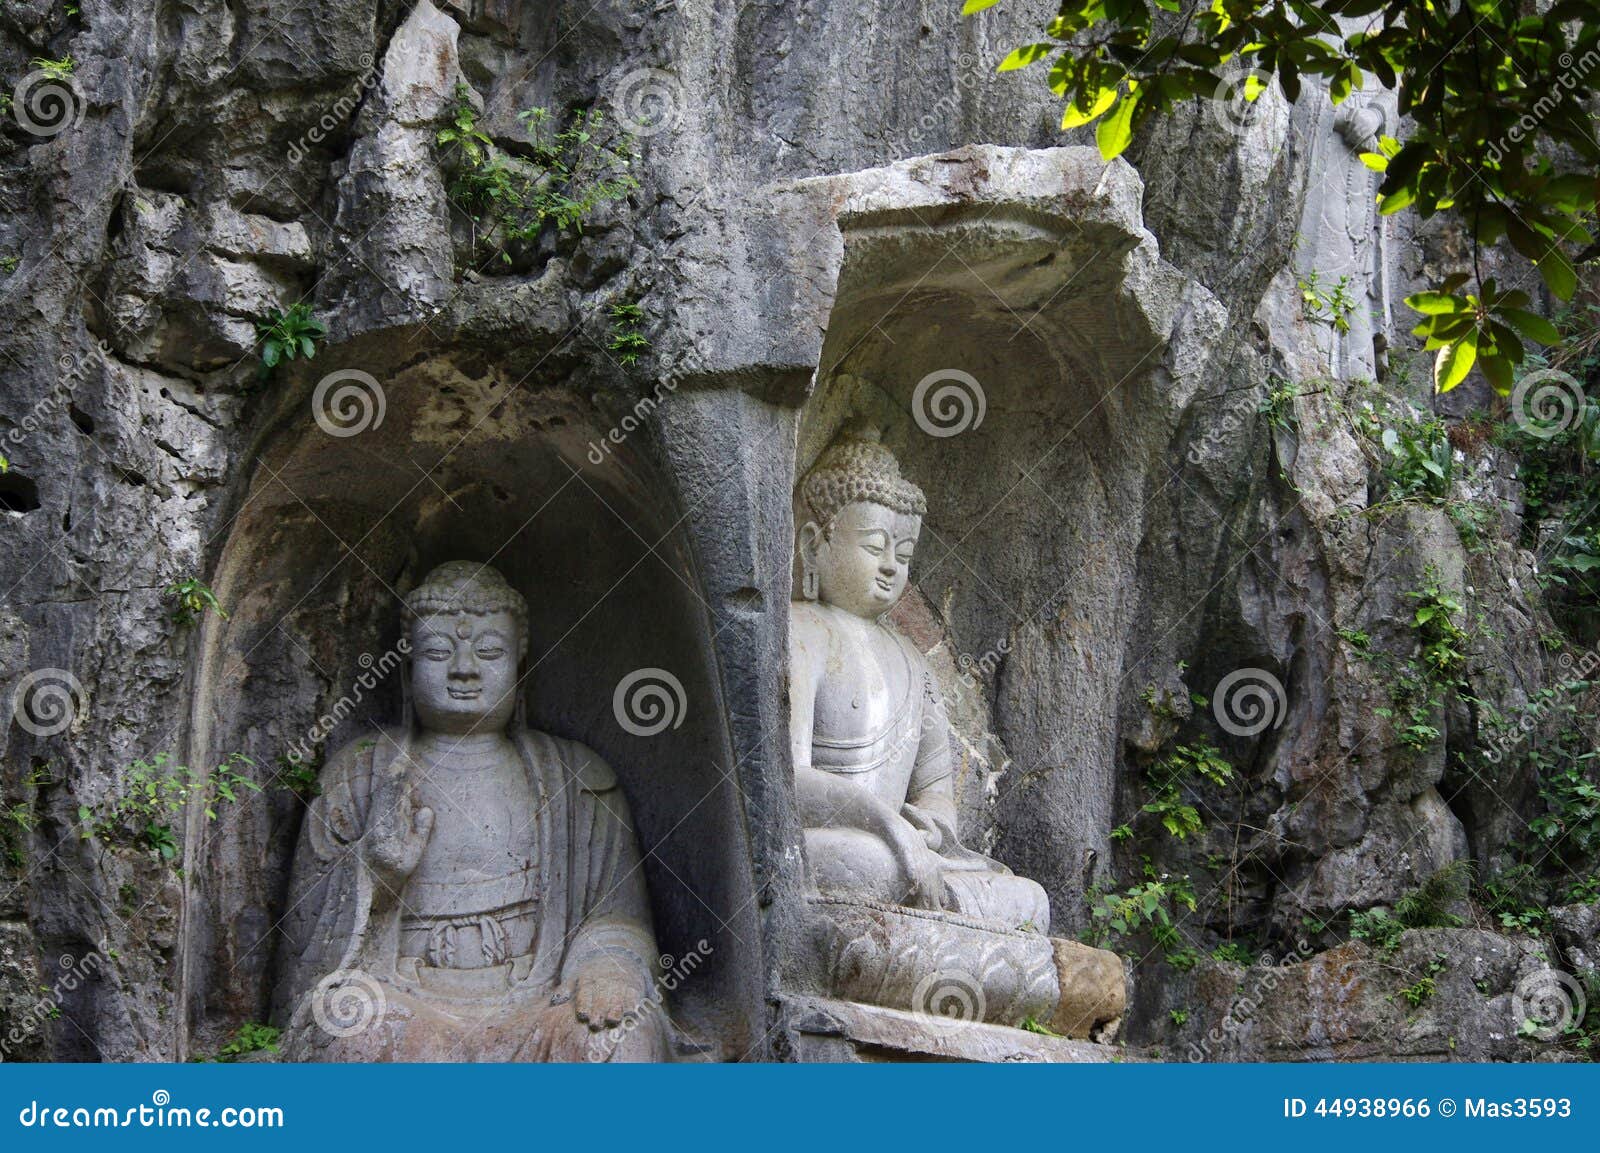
(397, 827)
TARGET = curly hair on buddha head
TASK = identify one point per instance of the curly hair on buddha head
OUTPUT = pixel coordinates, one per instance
(857, 467)
(463, 586)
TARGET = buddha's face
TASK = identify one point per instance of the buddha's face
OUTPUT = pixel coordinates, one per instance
(862, 562)
(464, 671)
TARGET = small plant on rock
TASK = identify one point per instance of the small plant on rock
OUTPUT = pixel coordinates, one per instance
(627, 342)
(1168, 775)
(193, 598)
(286, 335)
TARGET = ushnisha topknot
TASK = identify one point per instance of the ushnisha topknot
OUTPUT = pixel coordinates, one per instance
(856, 467)
(464, 586)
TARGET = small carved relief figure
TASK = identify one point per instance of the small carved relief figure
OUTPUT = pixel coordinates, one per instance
(466, 888)
(870, 739)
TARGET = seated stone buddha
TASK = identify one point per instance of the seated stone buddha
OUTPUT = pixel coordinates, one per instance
(466, 888)
(870, 738)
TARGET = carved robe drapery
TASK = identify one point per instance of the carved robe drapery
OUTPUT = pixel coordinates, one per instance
(509, 999)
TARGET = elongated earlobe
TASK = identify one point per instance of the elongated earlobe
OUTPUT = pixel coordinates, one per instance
(810, 538)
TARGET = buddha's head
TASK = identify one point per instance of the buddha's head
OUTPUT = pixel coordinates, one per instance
(855, 551)
(469, 632)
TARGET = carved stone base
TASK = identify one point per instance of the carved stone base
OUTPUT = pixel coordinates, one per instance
(943, 969)
(839, 1031)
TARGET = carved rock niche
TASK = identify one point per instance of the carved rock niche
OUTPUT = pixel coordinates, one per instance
(466, 464)
(1005, 321)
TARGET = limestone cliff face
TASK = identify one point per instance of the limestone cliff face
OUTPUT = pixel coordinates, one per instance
(836, 200)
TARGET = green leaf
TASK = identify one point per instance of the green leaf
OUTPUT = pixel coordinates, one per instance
(972, 6)
(1436, 303)
(1104, 99)
(1024, 56)
(1376, 161)
(1498, 369)
(1531, 325)
(1454, 362)
(1115, 132)
(1559, 275)
(1400, 198)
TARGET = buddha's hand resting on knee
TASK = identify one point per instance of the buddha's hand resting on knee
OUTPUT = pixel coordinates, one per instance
(605, 993)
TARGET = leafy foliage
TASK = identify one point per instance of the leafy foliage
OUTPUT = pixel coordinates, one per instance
(152, 795)
(1421, 461)
(251, 1037)
(1494, 95)
(285, 335)
(56, 69)
(1425, 907)
(627, 341)
(194, 597)
(557, 176)
(1171, 772)
(1327, 306)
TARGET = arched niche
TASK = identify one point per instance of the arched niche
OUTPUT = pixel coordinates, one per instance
(465, 464)
(1043, 427)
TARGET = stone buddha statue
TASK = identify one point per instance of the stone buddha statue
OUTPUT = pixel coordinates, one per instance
(466, 888)
(870, 739)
